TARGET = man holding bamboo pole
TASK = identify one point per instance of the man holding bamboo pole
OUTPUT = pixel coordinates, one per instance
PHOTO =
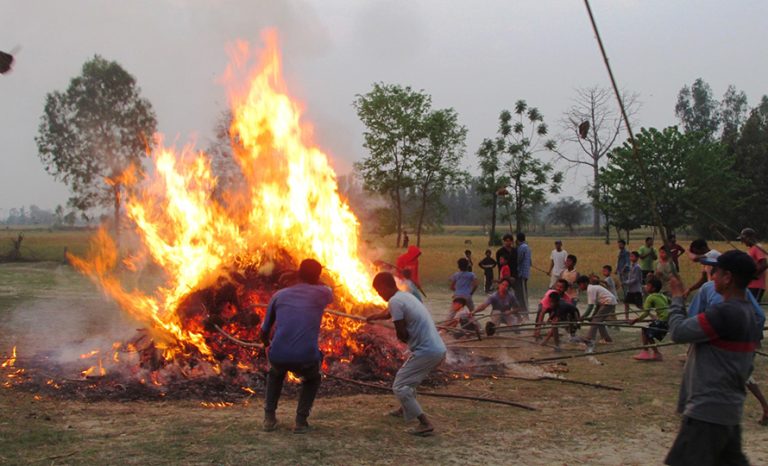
(720, 360)
(414, 326)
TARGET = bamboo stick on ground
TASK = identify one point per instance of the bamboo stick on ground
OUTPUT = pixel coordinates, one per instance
(537, 379)
(438, 395)
(596, 353)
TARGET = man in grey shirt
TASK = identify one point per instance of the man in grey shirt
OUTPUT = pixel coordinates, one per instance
(720, 360)
(414, 326)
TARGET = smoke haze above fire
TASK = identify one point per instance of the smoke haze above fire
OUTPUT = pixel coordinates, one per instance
(475, 57)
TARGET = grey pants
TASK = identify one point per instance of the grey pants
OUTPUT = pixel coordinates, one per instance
(603, 311)
(414, 370)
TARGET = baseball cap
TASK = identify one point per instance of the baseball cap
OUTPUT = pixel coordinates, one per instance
(747, 233)
(734, 261)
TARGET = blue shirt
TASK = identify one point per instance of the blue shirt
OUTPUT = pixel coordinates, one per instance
(523, 260)
(296, 313)
(500, 303)
(462, 283)
(708, 297)
(423, 338)
(622, 264)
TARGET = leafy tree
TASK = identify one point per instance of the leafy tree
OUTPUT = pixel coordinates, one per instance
(393, 116)
(520, 137)
(568, 212)
(491, 180)
(697, 110)
(751, 162)
(92, 134)
(733, 112)
(437, 166)
(682, 170)
(592, 125)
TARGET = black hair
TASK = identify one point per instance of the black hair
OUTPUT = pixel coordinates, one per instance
(610, 269)
(467, 252)
(655, 284)
(460, 300)
(648, 238)
(634, 253)
(622, 242)
(508, 236)
(582, 279)
(488, 251)
(572, 258)
(309, 271)
(384, 280)
(406, 273)
(699, 244)
(564, 282)
(463, 264)
(521, 237)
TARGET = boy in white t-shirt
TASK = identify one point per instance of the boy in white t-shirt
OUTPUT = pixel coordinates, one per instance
(605, 302)
(556, 262)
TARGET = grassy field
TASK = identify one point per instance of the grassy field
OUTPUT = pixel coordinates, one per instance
(47, 305)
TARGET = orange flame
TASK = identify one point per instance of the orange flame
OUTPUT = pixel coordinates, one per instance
(10, 362)
(289, 202)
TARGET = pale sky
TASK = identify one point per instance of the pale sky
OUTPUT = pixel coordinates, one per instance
(478, 57)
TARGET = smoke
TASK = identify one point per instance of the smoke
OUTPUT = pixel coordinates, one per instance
(67, 321)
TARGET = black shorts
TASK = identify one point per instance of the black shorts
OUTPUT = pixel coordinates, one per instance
(635, 298)
(703, 443)
(656, 330)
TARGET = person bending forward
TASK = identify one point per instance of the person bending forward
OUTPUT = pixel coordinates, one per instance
(414, 326)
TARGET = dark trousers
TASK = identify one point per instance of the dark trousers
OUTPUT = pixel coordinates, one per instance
(702, 443)
(488, 280)
(310, 382)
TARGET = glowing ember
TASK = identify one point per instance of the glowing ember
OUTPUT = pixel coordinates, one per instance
(10, 362)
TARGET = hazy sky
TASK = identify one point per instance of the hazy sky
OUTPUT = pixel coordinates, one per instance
(478, 57)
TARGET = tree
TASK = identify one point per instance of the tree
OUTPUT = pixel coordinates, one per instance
(698, 110)
(491, 180)
(733, 113)
(682, 170)
(393, 116)
(91, 135)
(436, 169)
(594, 139)
(751, 163)
(516, 146)
(567, 212)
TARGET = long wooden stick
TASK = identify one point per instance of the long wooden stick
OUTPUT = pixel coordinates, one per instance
(250, 344)
(537, 379)
(597, 353)
(437, 395)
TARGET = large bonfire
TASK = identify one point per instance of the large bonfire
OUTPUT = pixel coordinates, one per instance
(223, 250)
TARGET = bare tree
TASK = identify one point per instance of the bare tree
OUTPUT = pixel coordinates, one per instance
(592, 125)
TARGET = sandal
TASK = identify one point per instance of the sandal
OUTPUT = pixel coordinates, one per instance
(422, 431)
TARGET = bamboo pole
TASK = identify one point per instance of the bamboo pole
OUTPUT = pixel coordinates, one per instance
(538, 379)
(437, 395)
(597, 353)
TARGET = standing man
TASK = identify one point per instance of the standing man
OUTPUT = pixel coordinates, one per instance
(414, 326)
(488, 264)
(675, 250)
(509, 252)
(756, 286)
(556, 262)
(720, 360)
(523, 273)
(295, 313)
(647, 258)
(622, 263)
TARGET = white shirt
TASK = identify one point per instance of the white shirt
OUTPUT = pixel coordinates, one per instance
(596, 294)
(558, 259)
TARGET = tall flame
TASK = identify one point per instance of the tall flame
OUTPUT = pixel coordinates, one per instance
(289, 204)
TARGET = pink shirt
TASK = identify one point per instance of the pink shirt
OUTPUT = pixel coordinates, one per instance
(546, 303)
(757, 255)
